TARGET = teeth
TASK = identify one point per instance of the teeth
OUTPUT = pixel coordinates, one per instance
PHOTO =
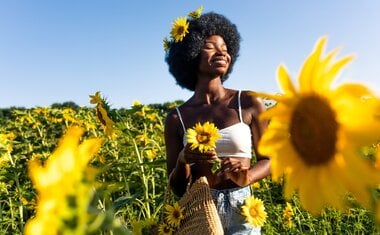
(219, 61)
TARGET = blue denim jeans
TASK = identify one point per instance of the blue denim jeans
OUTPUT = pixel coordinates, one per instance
(228, 202)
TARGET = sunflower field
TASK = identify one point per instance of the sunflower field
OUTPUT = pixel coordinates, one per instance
(97, 170)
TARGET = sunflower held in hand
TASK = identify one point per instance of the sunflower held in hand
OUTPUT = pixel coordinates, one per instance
(203, 137)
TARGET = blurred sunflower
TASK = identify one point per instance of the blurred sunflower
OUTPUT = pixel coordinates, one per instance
(254, 211)
(174, 214)
(145, 226)
(315, 132)
(256, 185)
(288, 215)
(102, 110)
(105, 120)
(165, 229)
(377, 158)
(64, 184)
(166, 44)
(179, 29)
(137, 227)
(96, 98)
(151, 153)
(197, 13)
(203, 137)
(136, 103)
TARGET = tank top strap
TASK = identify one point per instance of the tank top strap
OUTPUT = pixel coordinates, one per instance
(239, 103)
(180, 118)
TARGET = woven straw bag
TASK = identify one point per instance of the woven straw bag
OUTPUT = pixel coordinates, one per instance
(200, 215)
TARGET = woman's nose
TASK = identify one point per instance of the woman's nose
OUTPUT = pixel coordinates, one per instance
(221, 51)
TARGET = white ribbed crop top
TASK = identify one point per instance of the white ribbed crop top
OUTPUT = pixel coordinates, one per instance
(235, 140)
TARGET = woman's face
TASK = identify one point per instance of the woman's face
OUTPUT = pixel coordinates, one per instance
(214, 57)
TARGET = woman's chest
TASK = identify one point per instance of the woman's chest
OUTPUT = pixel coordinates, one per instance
(222, 117)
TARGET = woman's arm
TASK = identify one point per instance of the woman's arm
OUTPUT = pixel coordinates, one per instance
(261, 168)
(177, 169)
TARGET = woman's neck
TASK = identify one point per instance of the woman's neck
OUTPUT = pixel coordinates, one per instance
(209, 92)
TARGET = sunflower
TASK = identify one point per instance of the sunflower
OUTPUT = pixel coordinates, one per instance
(254, 211)
(203, 137)
(96, 98)
(166, 44)
(101, 112)
(63, 179)
(377, 155)
(197, 13)
(105, 120)
(174, 214)
(288, 214)
(315, 132)
(137, 227)
(179, 29)
(165, 229)
(151, 153)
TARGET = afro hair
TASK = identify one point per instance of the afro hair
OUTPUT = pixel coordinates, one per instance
(183, 57)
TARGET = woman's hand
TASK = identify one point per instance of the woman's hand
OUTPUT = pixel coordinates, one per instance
(237, 170)
(188, 156)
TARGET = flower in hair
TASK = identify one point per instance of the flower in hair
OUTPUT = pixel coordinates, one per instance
(197, 13)
(166, 44)
(180, 28)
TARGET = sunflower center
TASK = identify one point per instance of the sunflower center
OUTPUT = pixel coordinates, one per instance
(167, 230)
(253, 212)
(313, 130)
(176, 214)
(180, 30)
(203, 138)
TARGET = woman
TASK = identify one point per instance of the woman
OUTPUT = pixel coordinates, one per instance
(201, 62)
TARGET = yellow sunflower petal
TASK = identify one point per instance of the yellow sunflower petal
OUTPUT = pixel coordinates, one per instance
(308, 69)
(282, 163)
(87, 150)
(327, 78)
(356, 131)
(355, 184)
(307, 191)
(285, 81)
(350, 90)
(334, 191)
(274, 138)
(274, 113)
(96, 99)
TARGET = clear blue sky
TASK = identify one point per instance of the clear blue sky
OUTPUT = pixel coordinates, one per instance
(57, 51)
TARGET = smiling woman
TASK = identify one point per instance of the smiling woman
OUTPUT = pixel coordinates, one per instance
(201, 58)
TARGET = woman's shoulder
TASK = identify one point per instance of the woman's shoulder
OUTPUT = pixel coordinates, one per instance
(176, 113)
(172, 114)
(248, 98)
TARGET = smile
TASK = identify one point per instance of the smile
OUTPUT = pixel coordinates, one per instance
(219, 62)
